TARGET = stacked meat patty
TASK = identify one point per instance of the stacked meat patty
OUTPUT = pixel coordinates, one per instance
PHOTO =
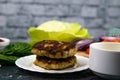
(51, 54)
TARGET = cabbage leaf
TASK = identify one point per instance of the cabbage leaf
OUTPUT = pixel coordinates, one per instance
(57, 30)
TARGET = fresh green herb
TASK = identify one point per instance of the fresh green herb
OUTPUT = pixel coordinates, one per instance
(18, 49)
(7, 60)
(14, 51)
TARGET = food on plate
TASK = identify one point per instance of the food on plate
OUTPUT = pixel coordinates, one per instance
(54, 43)
(52, 54)
(54, 49)
(54, 63)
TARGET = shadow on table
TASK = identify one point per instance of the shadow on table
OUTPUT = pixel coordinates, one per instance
(82, 75)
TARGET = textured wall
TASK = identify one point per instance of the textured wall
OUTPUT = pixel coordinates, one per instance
(16, 16)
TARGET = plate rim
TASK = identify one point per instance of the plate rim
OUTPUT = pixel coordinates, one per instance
(53, 71)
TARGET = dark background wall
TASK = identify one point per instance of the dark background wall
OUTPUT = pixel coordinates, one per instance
(16, 16)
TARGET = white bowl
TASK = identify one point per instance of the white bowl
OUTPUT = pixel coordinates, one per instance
(104, 59)
(4, 43)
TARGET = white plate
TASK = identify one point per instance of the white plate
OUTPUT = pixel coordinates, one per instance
(27, 64)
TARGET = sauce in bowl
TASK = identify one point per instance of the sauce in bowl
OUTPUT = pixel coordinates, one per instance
(1, 40)
(4, 42)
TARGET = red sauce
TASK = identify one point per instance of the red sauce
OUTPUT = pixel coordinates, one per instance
(1, 40)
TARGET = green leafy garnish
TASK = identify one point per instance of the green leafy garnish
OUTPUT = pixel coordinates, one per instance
(7, 60)
(14, 51)
(57, 30)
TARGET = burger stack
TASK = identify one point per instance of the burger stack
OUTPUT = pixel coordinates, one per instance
(54, 55)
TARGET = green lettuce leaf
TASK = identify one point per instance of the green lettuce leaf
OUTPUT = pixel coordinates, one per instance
(57, 30)
(59, 26)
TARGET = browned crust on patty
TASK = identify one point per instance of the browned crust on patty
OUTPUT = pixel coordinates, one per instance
(55, 64)
(54, 49)
(63, 54)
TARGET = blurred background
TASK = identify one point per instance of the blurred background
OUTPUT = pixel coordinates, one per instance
(16, 16)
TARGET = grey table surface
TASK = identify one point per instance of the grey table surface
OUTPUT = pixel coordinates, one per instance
(15, 73)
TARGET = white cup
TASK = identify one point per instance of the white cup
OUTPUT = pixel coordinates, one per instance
(105, 59)
(4, 43)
